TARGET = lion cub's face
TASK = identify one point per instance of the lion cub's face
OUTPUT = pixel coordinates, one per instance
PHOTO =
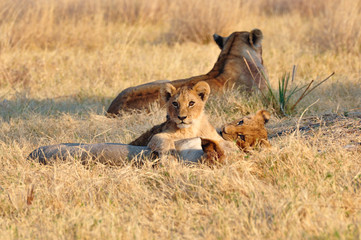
(248, 131)
(185, 105)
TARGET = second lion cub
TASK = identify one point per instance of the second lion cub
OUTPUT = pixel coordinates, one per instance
(185, 117)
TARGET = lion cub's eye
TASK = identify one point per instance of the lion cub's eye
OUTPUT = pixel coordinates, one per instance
(240, 122)
(175, 104)
(191, 103)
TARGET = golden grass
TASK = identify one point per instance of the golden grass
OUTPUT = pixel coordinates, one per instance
(63, 61)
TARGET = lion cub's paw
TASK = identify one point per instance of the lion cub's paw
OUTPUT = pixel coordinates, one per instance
(213, 152)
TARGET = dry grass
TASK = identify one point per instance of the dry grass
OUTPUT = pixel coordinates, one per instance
(193, 21)
(62, 62)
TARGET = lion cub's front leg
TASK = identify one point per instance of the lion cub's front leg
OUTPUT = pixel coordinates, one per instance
(162, 143)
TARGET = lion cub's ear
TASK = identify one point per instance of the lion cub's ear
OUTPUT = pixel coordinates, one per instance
(264, 114)
(255, 38)
(167, 92)
(203, 90)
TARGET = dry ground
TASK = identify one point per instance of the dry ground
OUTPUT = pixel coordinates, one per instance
(61, 64)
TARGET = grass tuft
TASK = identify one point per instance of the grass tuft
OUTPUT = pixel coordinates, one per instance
(281, 101)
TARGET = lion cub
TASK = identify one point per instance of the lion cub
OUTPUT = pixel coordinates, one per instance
(186, 117)
(249, 131)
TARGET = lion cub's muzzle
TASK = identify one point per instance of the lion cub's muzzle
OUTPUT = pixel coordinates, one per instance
(227, 131)
(225, 135)
(182, 118)
(181, 123)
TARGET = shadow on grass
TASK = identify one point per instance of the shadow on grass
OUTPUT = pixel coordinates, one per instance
(23, 108)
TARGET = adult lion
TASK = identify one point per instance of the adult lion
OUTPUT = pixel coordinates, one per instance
(239, 64)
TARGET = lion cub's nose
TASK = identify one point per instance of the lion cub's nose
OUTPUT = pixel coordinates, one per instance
(182, 118)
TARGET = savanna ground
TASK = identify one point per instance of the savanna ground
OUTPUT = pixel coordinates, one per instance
(63, 61)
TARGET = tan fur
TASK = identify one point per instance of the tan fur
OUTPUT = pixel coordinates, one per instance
(248, 131)
(239, 64)
(186, 117)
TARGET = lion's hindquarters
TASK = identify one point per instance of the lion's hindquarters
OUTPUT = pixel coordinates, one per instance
(138, 97)
(107, 153)
(188, 150)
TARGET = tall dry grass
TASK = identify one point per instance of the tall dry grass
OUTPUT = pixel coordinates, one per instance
(49, 24)
(63, 61)
(197, 21)
(71, 23)
(337, 27)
